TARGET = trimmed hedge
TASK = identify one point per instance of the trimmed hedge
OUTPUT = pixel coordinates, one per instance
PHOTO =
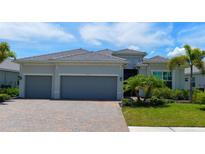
(152, 102)
(4, 97)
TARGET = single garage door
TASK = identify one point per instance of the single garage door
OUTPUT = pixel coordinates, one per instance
(38, 87)
(89, 87)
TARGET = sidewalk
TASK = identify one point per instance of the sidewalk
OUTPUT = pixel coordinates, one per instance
(166, 129)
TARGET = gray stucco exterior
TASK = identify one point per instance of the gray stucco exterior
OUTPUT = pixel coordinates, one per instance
(133, 57)
(58, 70)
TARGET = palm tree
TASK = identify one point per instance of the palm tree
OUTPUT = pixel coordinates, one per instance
(193, 57)
(5, 52)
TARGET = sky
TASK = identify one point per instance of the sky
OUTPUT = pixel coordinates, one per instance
(161, 38)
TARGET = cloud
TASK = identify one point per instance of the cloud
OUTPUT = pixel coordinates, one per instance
(176, 52)
(134, 47)
(152, 52)
(193, 35)
(33, 32)
(142, 35)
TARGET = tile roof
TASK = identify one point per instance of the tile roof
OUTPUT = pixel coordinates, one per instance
(90, 56)
(8, 65)
(129, 52)
(54, 55)
(156, 59)
(74, 55)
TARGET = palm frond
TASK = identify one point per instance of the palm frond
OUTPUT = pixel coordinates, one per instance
(200, 65)
(5, 52)
(176, 62)
(188, 50)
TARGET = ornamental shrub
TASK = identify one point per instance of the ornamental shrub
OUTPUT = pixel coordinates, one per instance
(12, 92)
(4, 97)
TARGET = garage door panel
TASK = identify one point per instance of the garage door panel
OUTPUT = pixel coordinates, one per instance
(88, 87)
(38, 87)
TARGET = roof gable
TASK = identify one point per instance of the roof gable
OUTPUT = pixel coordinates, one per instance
(106, 51)
(156, 59)
(130, 52)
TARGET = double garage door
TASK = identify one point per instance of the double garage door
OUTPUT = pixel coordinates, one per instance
(73, 87)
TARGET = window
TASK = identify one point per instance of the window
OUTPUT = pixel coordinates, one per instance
(164, 75)
(158, 74)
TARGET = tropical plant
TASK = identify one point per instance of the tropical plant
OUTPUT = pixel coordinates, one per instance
(199, 97)
(5, 52)
(167, 93)
(144, 83)
(193, 57)
(132, 85)
(149, 84)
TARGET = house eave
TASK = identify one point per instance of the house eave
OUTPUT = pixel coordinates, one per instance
(155, 62)
(70, 62)
(129, 54)
(9, 70)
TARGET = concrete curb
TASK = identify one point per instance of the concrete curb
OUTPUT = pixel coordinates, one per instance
(166, 129)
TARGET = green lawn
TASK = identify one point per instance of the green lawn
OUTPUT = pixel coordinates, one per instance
(171, 115)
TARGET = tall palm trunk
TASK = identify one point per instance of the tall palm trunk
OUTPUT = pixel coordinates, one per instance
(191, 81)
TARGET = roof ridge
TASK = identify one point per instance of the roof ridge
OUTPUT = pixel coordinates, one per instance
(74, 54)
(112, 56)
(104, 49)
(122, 51)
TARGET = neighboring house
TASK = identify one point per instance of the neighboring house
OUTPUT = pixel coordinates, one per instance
(9, 72)
(81, 74)
(157, 66)
(198, 79)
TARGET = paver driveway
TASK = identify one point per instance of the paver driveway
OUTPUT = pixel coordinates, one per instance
(56, 115)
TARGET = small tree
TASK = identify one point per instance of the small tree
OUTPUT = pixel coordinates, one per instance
(193, 57)
(145, 83)
(5, 52)
(133, 85)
